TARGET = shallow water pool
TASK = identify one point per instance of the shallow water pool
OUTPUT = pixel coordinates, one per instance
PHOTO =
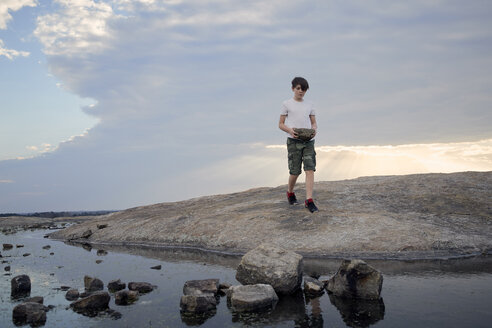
(443, 293)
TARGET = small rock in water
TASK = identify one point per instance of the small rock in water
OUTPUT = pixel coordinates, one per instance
(198, 287)
(99, 261)
(6, 247)
(26, 254)
(141, 287)
(19, 246)
(65, 288)
(72, 294)
(92, 284)
(47, 247)
(252, 297)
(21, 286)
(157, 267)
(313, 287)
(52, 253)
(35, 299)
(7, 268)
(116, 285)
(92, 304)
(125, 297)
(30, 313)
(101, 252)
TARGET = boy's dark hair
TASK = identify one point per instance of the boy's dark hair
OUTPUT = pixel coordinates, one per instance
(300, 81)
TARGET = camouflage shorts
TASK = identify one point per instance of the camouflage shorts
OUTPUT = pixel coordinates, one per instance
(301, 152)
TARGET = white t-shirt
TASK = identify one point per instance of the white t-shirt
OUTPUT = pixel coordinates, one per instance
(298, 113)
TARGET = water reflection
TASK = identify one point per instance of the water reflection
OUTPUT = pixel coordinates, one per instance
(359, 313)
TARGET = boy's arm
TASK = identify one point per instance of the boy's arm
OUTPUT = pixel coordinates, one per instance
(283, 127)
(314, 125)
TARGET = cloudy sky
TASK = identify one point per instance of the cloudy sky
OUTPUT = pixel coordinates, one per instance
(111, 104)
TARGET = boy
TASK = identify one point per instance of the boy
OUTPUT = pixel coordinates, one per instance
(299, 113)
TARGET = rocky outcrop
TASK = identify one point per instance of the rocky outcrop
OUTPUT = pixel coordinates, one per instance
(405, 217)
(356, 279)
(20, 286)
(252, 297)
(272, 265)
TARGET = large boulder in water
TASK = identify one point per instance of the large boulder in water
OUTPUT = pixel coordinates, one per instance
(92, 284)
(356, 279)
(92, 304)
(271, 265)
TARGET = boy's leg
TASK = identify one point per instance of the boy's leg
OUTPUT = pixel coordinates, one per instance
(292, 182)
(309, 183)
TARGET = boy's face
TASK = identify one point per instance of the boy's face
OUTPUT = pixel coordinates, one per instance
(298, 92)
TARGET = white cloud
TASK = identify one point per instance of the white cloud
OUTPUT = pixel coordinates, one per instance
(8, 6)
(11, 53)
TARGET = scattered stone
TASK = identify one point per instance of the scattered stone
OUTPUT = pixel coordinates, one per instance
(52, 253)
(199, 287)
(115, 315)
(47, 247)
(7, 268)
(126, 297)
(35, 299)
(21, 286)
(19, 246)
(99, 261)
(26, 254)
(223, 287)
(157, 267)
(87, 247)
(101, 252)
(198, 303)
(313, 287)
(92, 284)
(92, 304)
(72, 294)
(86, 234)
(30, 313)
(102, 226)
(65, 288)
(252, 297)
(272, 265)
(116, 285)
(141, 287)
(356, 279)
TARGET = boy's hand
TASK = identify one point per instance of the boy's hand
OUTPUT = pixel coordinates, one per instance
(293, 133)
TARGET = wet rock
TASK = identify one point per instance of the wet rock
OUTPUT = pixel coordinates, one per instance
(87, 247)
(30, 313)
(7, 268)
(157, 267)
(199, 287)
(223, 287)
(272, 265)
(101, 252)
(47, 247)
(141, 287)
(99, 261)
(65, 288)
(126, 297)
(356, 279)
(102, 226)
(35, 299)
(313, 287)
(26, 254)
(19, 246)
(252, 297)
(92, 284)
(21, 286)
(52, 253)
(115, 315)
(116, 285)
(72, 294)
(92, 304)
(86, 234)
(198, 303)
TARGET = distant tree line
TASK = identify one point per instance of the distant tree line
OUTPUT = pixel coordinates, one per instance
(51, 215)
